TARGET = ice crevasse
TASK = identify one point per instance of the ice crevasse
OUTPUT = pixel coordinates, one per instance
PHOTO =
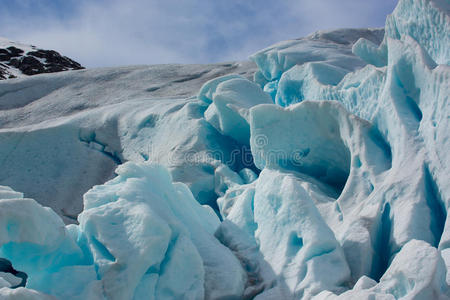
(345, 194)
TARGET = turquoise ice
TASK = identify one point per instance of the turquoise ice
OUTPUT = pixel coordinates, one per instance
(319, 172)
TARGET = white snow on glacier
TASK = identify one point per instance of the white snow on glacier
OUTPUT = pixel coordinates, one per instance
(323, 174)
(113, 115)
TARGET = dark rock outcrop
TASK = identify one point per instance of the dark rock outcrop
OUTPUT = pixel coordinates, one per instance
(15, 62)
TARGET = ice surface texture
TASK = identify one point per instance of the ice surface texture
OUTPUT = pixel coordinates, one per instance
(324, 177)
(101, 118)
(140, 236)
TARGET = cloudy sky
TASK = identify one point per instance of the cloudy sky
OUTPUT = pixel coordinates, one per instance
(100, 33)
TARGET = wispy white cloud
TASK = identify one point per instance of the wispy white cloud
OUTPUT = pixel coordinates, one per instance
(115, 32)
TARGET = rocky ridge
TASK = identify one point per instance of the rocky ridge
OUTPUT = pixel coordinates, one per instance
(19, 60)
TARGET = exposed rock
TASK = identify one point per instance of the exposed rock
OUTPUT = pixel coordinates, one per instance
(20, 60)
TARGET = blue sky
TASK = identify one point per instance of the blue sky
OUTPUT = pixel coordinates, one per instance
(100, 33)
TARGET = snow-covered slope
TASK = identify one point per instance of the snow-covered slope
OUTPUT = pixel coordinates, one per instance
(21, 60)
(324, 174)
(102, 118)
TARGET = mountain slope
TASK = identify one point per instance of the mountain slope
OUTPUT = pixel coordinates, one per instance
(19, 60)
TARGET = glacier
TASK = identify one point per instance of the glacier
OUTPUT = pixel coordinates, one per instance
(319, 170)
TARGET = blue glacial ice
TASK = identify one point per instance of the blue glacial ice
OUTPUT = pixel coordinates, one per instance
(140, 236)
(230, 98)
(321, 171)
